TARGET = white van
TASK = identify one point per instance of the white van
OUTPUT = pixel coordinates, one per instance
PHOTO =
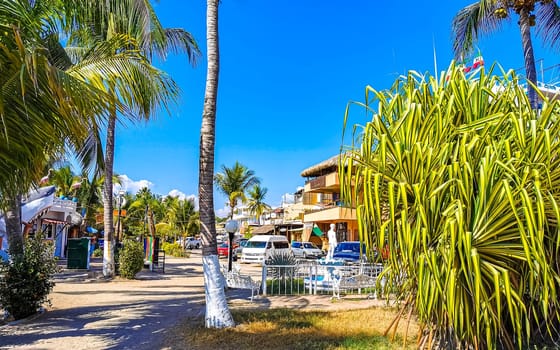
(261, 248)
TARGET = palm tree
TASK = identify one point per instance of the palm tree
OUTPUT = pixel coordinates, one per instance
(170, 208)
(234, 182)
(147, 91)
(63, 178)
(90, 197)
(145, 205)
(217, 312)
(187, 218)
(56, 108)
(255, 202)
(486, 16)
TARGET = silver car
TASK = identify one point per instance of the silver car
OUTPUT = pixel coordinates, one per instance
(306, 250)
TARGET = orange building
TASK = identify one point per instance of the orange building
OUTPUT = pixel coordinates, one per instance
(322, 191)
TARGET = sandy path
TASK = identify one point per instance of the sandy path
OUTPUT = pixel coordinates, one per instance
(89, 313)
(109, 315)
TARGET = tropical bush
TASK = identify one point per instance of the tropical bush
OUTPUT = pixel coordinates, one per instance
(174, 249)
(97, 253)
(131, 259)
(460, 177)
(26, 280)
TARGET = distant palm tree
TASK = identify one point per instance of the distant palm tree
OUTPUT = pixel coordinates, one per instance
(90, 197)
(255, 202)
(144, 206)
(169, 208)
(187, 218)
(234, 182)
(62, 178)
(486, 16)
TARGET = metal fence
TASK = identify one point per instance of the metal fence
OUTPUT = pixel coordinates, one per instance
(319, 277)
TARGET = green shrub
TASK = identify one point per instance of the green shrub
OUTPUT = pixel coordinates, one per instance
(25, 281)
(131, 259)
(97, 253)
(174, 249)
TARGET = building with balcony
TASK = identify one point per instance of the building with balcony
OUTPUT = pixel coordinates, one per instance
(322, 193)
(56, 218)
(286, 220)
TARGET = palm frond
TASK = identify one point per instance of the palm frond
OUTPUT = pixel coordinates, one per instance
(548, 23)
(470, 23)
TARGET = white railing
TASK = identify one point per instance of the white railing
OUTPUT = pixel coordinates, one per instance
(63, 205)
(318, 277)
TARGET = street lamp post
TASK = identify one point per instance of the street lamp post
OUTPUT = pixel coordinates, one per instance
(231, 228)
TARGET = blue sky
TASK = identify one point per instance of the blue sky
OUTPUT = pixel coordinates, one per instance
(288, 70)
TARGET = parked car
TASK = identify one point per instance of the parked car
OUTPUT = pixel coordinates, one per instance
(261, 248)
(306, 250)
(193, 243)
(223, 251)
(242, 244)
(350, 251)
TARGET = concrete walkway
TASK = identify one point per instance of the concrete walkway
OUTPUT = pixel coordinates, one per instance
(89, 312)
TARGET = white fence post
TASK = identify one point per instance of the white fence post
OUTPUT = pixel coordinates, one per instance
(263, 279)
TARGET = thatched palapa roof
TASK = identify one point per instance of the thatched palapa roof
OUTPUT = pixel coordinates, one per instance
(325, 167)
(263, 230)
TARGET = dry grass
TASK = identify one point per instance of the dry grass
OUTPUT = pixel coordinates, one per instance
(292, 329)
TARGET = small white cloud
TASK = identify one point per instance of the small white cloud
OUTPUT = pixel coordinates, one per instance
(223, 213)
(182, 196)
(130, 186)
(177, 193)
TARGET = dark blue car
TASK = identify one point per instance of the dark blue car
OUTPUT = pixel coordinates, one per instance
(350, 251)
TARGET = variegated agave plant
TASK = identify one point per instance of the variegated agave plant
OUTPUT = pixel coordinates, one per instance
(461, 177)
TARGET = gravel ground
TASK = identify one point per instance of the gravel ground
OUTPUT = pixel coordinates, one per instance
(92, 313)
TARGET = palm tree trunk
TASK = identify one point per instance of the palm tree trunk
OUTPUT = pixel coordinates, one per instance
(217, 312)
(13, 226)
(529, 56)
(108, 258)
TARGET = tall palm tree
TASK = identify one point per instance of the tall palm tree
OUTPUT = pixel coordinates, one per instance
(255, 202)
(486, 16)
(37, 92)
(234, 182)
(217, 312)
(137, 20)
